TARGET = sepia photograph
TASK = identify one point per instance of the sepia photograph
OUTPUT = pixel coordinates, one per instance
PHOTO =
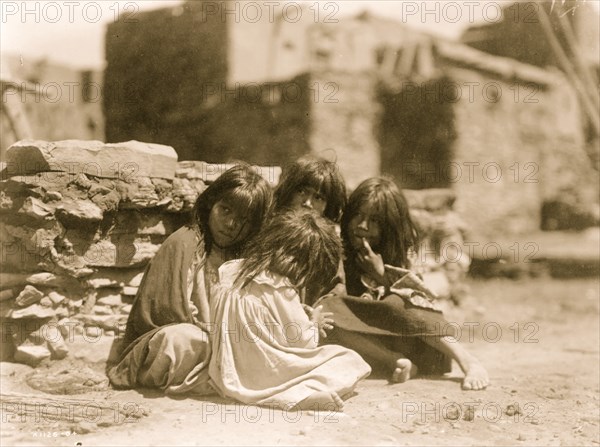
(310, 222)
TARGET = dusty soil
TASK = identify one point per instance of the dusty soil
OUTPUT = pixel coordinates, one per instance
(539, 338)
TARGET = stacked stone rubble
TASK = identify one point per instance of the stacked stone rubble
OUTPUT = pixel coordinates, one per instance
(79, 222)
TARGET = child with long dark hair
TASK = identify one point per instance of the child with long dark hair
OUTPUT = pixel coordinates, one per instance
(397, 325)
(313, 183)
(265, 346)
(166, 343)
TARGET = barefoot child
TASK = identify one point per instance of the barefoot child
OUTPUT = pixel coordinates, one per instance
(265, 346)
(166, 343)
(313, 183)
(397, 325)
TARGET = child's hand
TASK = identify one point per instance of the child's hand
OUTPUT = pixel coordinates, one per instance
(371, 263)
(323, 320)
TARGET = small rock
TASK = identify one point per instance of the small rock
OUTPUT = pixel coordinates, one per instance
(75, 304)
(469, 413)
(31, 355)
(35, 208)
(110, 300)
(52, 195)
(453, 413)
(84, 427)
(61, 312)
(93, 331)
(29, 295)
(512, 409)
(102, 310)
(521, 437)
(56, 297)
(130, 291)
(75, 211)
(33, 311)
(58, 348)
(46, 302)
(98, 283)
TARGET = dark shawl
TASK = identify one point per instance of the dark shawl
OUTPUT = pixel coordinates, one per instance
(162, 296)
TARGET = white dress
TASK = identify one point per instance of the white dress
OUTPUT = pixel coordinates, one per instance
(265, 348)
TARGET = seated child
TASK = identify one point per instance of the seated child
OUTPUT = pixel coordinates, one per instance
(397, 325)
(265, 347)
(314, 183)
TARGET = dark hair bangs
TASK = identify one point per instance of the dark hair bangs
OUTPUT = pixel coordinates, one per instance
(243, 200)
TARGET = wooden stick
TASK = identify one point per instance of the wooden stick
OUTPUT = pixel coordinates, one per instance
(583, 69)
(563, 60)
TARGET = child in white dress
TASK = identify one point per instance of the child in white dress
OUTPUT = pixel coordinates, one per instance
(265, 348)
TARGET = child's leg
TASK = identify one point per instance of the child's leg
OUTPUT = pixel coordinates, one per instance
(370, 348)
(476, 377)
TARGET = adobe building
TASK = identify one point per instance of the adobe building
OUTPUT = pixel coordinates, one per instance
(218, 83)
(49, 101)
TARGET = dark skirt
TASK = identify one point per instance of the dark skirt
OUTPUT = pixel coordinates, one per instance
(395, 323)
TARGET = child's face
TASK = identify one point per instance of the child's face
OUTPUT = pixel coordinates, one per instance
(227, 226)
(308, 198)
(364, 224)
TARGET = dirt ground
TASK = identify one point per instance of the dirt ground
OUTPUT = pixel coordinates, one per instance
(538, 337)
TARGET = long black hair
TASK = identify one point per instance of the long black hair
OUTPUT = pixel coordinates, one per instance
(298, 244)
(243, 188)
(314, 172)
(398, 232)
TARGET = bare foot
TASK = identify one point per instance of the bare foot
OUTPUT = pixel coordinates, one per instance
(476, 377)
(405, 369)
(321, 401)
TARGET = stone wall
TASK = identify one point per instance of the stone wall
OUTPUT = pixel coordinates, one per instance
(80, 220)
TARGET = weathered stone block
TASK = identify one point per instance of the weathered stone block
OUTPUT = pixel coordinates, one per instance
(28, 296)
(33, 311)
(31, 355)
(125, 161)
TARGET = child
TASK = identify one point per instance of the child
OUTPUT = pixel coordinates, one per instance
(265, 348)
(166, 343)
(313, 183)
(378, 236)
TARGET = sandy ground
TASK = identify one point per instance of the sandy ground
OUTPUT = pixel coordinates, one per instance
(539, 338)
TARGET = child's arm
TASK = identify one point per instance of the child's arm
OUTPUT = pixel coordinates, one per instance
(389, 276)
